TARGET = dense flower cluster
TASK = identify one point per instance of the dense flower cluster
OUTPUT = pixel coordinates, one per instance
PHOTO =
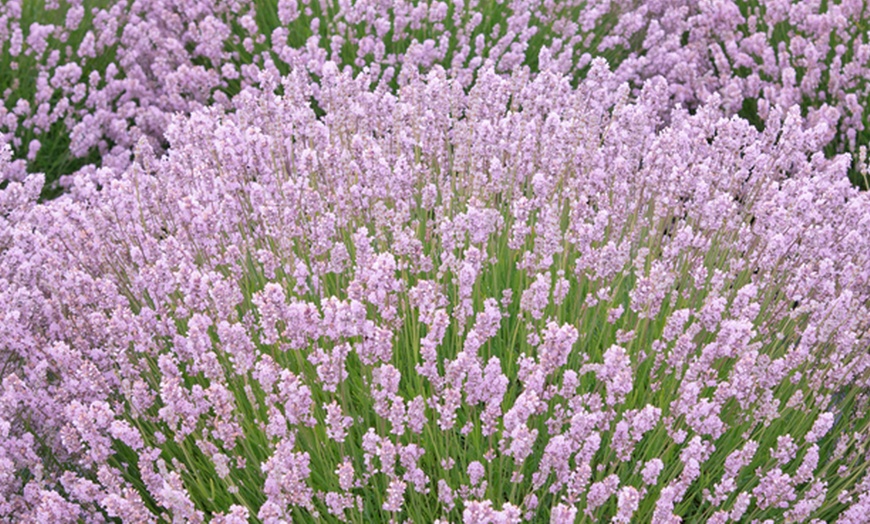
(519, 300)
(94, 76)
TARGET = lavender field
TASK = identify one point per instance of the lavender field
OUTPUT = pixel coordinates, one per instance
(487, 262)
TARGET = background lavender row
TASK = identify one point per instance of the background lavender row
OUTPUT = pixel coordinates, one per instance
(84, 79)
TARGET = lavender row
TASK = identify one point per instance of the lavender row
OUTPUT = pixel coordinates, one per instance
(518, 301)
(84, 80)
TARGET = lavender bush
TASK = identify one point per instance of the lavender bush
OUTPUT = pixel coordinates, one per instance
(518, 301)
(89, 78)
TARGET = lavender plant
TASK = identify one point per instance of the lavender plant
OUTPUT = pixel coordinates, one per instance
(89, 78)
(108, 73)
(523, 301)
